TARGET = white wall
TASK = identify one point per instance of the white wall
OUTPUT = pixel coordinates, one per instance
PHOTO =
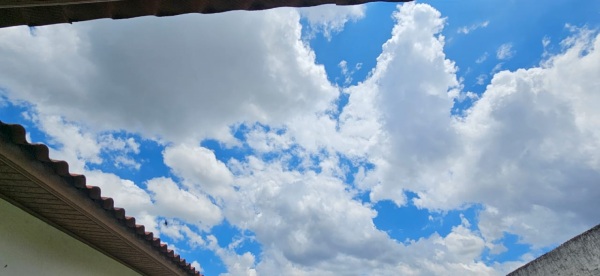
(29, 246)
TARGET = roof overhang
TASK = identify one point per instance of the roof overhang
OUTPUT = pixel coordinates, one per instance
(45, 12)
(46, 189)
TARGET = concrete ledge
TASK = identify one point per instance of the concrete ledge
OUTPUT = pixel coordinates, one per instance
(579, 256)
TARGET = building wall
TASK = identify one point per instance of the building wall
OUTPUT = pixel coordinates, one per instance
(29, 246)
(579, 256)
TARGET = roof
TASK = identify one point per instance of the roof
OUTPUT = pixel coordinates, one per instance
(46, 189)
(44, 12)
(577, 256)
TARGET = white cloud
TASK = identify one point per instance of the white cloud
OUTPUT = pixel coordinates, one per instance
(468, 29)
(433, 255)
(330, 19)
(110, 142)
(344, 67)
(236, 264)
(497, 68)
(347, 73)
(546, 41)
(196, 265)
(526, 149)
(73, 144)
(455, 254)
(309, 224)
(537, 158)
(481, 79)
(482, 58)
(505, 51)
(200, 170)
(123, 147)
(264, 141)
(164, 198)
(122, 161)
(308, 210)
(409, 88)
(317, 221)
(125, 193)
(81, 148)
(183, 85)
(172, 201)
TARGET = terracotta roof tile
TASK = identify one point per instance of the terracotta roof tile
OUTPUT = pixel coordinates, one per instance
(20, 183)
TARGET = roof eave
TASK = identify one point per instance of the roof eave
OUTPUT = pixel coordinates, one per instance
(27, 167)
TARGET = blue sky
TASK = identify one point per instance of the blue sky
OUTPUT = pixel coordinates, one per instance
(430, 138)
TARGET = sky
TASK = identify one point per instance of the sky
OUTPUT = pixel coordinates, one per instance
(437, 137)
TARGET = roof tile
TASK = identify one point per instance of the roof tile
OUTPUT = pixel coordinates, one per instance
(16, 135)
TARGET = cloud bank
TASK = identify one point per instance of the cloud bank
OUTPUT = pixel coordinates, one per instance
(527, 151)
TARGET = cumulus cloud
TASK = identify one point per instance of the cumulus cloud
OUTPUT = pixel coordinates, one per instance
(199, 170)
(195, 81)
(545, 145)
(308, 210)
(414, 108)
(73, 144)
(172, 201)
(526, 149)
(126, 193)
(308, 223)
(267, 140)
(308, 241)
(455, 254)
(237, 264)
(330, 19)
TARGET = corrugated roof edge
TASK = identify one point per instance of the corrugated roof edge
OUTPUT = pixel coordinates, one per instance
(18, 136)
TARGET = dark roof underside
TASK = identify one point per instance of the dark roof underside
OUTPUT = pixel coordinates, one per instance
(45, 12)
